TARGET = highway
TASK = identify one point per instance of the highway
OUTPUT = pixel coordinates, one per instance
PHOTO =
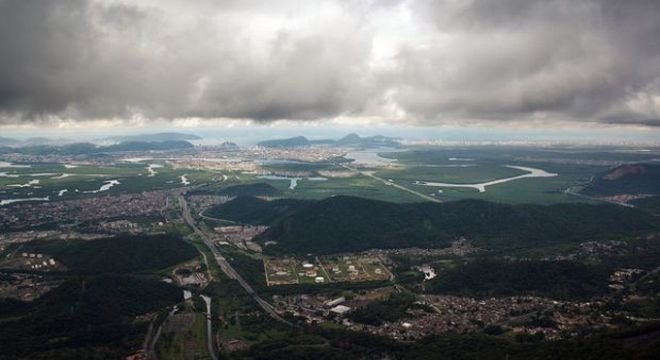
(389, 183)
(209, 331)
(225, 266)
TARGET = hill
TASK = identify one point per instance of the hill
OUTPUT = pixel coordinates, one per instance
(91, 149)
(650, 204)
(626, 179)
(350, 140)
(251, 210)
(122, 254)
(492, 277)
(297, 141)
(4, 141)
(369, 141)
(343, 224)
(84, 318)
(147, 146)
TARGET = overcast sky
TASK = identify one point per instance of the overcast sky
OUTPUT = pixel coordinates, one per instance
(516, 63)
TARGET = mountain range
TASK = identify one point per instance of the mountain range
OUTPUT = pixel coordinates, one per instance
(350, 140)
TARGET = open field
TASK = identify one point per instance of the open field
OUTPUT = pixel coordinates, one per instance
(184, 337)
(58, 182)
(473, 166)
(344, 268)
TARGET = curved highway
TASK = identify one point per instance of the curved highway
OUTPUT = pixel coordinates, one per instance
(225, 266)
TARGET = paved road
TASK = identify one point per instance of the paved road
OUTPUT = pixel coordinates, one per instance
(225, 266)
(209, 329)
(389, 183)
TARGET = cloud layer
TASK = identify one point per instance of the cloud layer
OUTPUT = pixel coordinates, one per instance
(417, 61)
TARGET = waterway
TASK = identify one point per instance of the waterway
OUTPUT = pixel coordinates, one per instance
(370, 157)
(481, 187)
(11, 201)
(105, 187)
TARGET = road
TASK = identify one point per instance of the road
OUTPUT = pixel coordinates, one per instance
(209, 329)
(225, 266)
(390, 183)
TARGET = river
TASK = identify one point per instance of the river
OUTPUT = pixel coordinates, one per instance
(481, 187)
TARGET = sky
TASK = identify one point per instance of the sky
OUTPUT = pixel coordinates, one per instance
(582, 67)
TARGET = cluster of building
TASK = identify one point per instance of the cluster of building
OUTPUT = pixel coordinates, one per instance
(517, 315)
(218, 164)
(460, 247)
(62, 212)
(240, 236)
(120, 226)
(29, 261)
(622, 277)
(17, 237)
(313, 308)
(199, 203)
(595, 249)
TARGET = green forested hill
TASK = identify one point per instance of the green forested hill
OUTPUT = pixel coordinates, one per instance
(626, 179)
(250, 210)
(84, 318)
(493, 277)
(341, 223)
(122, 254)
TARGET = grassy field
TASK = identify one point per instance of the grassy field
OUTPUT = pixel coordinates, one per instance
(530, 190)
(41, 180)
(469, 166)
(450, 173)
(184, 338)
(450, 165)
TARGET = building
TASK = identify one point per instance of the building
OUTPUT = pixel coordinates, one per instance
(340, 309)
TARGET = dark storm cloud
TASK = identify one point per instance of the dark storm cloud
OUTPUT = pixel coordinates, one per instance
(89, 60)
(512, 59)
(487, 60)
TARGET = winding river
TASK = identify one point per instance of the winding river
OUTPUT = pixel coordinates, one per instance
(481, 187)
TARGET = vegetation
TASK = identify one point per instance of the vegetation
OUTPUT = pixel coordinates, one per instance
(255, 211)
(650, 204)
(388, 310)
(626, 179)
(91, 149)
(85, 315)
(348, 140)
(492, 277)
(258, 189)
(346, 224)
(122, 254)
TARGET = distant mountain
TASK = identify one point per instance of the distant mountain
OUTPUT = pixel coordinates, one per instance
(346, 224)
(297, 141)
(626, 179)
(91, 149)
(154, 137)
(4, 141)
(370, 141)
(349, 140)
(147, 146)
(35, 141)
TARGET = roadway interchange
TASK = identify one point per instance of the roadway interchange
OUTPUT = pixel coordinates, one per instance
(225, 266)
